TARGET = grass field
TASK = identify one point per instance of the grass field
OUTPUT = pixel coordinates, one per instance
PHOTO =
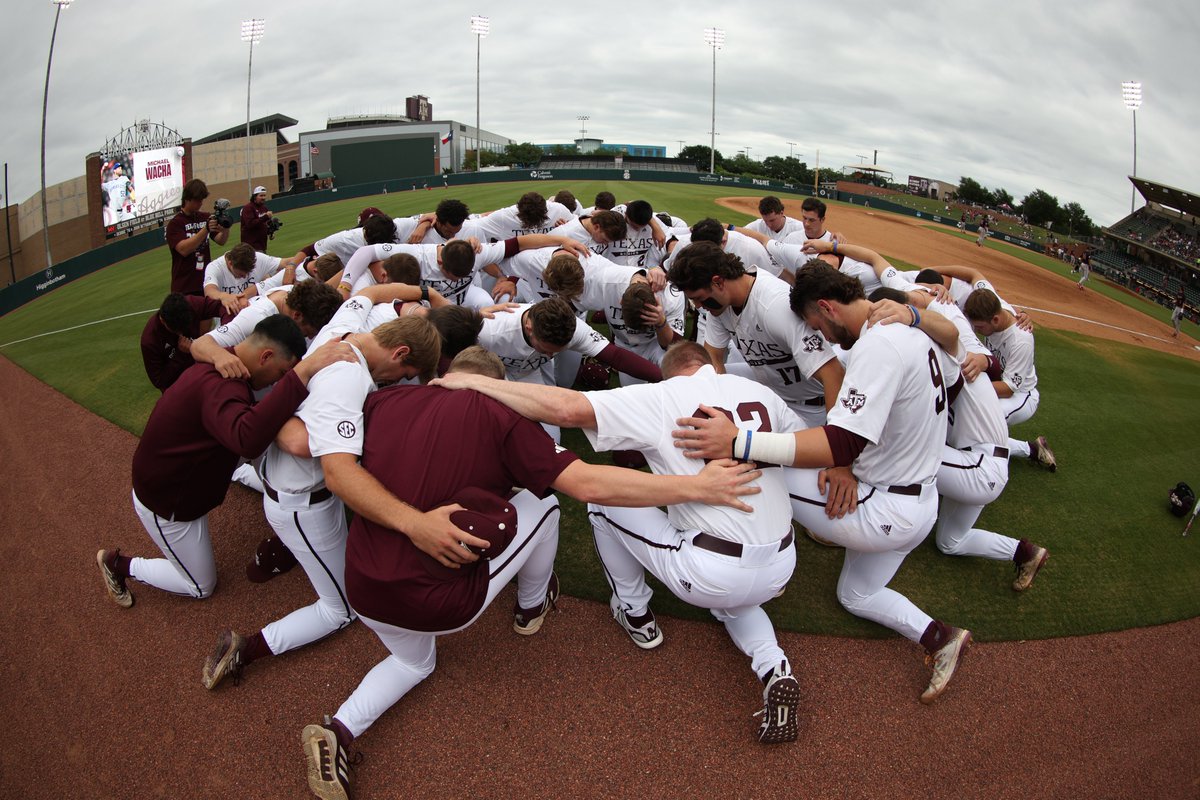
(1122, 420)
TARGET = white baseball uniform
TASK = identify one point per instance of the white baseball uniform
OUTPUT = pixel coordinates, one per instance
(456, 290)
(276, 281)
(637, 249)
(780, 350)
(748, 250)
(505, 224)
(895, 395)
(1013, 347)
(218, 274)
(790, 226)
(344, 243)
(677, 546)
(305, 515)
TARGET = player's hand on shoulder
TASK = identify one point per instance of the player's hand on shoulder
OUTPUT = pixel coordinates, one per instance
(838, 237)
(228, 365)
(939, 292)
(438, 537)
(885, 312)
(1023, 321)
(457, 380)
(724, 481)
(710, 434)
(475, 245)
(331, 352)
(574, 247)
(490, 312)
(230, 303)
(657, 278)
(815, 247)
(839, 487)
(505, 286)
(974, 365)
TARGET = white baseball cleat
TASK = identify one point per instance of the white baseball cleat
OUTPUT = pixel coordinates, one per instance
(781, 701)
(1028, 569)
(329, 764)
(944, 662)
(646, 636)
(114, 584)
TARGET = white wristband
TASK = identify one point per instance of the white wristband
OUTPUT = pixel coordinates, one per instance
(771, 448)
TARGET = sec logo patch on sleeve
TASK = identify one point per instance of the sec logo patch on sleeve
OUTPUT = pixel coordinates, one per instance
(346, 429)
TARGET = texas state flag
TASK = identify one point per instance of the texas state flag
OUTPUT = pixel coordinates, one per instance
(449, 136)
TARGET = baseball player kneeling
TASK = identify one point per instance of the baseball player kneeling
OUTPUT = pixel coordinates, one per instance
(889, 422)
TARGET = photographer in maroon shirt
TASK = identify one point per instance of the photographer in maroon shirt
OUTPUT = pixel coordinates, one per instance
(188, 234)
(256, 219)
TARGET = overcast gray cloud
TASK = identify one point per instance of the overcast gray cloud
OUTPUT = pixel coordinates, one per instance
(1019, 95)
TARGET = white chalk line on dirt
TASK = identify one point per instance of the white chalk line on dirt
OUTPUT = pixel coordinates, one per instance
(1101, 324)
(76, 327)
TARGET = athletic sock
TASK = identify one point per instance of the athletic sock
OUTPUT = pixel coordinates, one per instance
(256, 648)
(344, 736)
(640, 619)
(1033, 449)
(1024, 552)
(119, 564)
(935, 636)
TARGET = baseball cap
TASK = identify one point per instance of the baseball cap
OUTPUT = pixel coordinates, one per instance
(367, 213)
(272, 558)
(488, 516)
(259, 190)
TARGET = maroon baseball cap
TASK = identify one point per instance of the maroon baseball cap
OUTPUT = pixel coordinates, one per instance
(272, 558)
(488, 516)
(367, 213)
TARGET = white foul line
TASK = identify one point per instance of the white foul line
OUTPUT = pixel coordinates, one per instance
(76, 327)
(1094, 322)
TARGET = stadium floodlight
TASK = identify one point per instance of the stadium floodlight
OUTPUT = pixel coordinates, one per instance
(583, 120)
(714, 38)
(1131, 93)
(252, 32)
(481, 27)
(791, 148)
(61, 5)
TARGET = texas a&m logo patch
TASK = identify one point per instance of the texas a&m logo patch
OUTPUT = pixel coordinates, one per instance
(812, 343)
(854, 400)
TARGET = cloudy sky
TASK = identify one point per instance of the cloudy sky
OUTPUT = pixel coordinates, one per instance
(1020, 95)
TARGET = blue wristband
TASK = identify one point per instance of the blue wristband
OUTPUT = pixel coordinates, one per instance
(916, 317)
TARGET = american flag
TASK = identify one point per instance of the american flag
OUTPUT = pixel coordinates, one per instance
(313, 150)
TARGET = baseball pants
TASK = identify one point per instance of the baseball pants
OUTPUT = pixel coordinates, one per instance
(884, 529)
(967, 481)
(1020, 407)
(651, 351)
(630, 541)
(316, 535)
(187, 567)
(529, 557)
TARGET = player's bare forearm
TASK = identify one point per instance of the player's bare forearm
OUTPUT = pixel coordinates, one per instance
(761, 238)
(221, 236)
(552, 404)
(968, 274)
(721, 482)
(387, 292)
(293, 438)
(717, 355)
(941, 330)
(1003, 390)
(831, 374)
(714, 437)
(432, 531)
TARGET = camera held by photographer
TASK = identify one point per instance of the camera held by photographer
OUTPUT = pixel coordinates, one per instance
(258, 222)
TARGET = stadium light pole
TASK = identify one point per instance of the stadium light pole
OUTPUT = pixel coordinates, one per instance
(1131, 92)
(45, 101)
(252, 32)
(714, 38)
(481, 27)
(791, 148)
(583, 120)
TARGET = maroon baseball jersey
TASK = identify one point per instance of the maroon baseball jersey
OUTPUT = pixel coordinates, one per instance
(197, 432)
(164, 361)
(254, 226)
(187, 272)
(425, 444)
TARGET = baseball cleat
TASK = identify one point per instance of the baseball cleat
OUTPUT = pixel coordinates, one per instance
(528, 621)
(647, 635)
(1045, 456)
(944, 662)
(781, 700)
(114, 583)
(224, 660)
(328, 763)
(1028, 569)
